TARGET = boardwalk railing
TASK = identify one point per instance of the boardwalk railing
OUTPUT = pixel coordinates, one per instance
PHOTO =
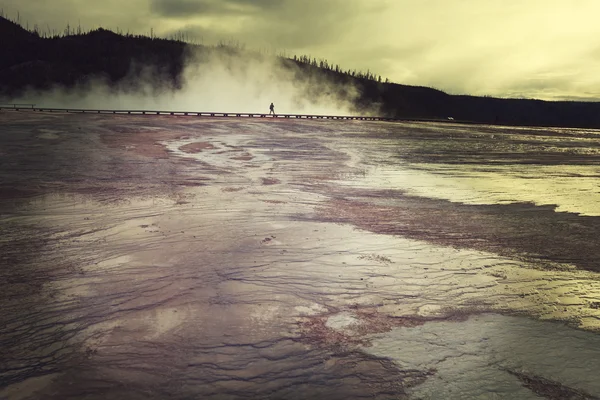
(16, 105)
(213, 114)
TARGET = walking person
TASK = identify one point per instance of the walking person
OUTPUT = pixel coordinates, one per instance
(271, 109)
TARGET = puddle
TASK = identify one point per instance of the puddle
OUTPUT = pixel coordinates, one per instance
(571, 189)
(475, 358)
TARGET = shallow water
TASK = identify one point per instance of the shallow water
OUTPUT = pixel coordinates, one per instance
(296, 259)
(571, 189)
(478, 357)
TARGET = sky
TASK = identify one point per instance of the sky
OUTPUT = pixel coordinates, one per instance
(546, 49)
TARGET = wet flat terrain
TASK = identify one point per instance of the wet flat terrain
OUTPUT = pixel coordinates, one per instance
(151, 257)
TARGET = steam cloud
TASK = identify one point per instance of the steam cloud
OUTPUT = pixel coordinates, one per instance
(213, 80)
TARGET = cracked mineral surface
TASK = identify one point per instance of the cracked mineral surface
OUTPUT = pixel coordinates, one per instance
(152, 257)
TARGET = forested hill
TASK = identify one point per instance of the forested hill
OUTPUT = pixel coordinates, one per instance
(41, 61)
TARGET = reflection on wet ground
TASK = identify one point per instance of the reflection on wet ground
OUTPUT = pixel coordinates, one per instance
(173, 257)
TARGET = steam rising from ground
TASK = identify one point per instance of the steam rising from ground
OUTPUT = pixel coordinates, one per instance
(220, 80)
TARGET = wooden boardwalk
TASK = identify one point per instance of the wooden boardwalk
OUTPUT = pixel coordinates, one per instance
(32, 108)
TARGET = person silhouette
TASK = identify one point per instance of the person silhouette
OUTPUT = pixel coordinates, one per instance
(271, 109)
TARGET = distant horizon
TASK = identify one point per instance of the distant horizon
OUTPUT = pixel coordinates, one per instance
(510, 50)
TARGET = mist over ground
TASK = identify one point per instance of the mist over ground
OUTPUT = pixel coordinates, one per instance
(218, 79)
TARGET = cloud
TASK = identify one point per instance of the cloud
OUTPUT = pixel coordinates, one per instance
(284, 24)
(192, 8)
(54, 15)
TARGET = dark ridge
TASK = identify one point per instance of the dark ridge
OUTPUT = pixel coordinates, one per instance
(40, 62)
(10, 31)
